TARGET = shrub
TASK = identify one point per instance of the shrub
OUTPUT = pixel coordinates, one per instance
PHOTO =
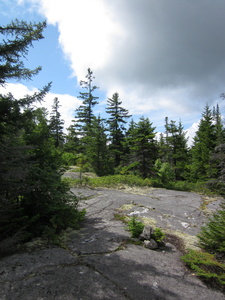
(135, 227)
(158, 235)
(164, 171)
(68, 159)
(212, 235)
(206, 267)
(115, 180)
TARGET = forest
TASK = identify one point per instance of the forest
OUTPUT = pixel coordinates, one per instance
(35, 150)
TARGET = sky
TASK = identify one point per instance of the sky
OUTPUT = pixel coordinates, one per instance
(164, 58)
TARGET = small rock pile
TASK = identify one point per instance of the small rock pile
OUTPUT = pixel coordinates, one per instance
(149, 242)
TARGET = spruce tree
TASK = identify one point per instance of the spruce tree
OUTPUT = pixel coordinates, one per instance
(116, 126)
(143, 149)
(219, 128)
(97, 149)
(19, 37)
(33, 199)
(204, 144)
(84, 113)
(56, 124)
(212, 235)
(176, 148)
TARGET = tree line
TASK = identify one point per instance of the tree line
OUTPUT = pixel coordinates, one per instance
(118, 145)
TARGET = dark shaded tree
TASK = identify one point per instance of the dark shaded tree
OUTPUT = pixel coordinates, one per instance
(143, 149)
(176, 148)
(116, 126)
(219, 128)
(97, 149)
(204, 144)
(33, 199)
(56, 124)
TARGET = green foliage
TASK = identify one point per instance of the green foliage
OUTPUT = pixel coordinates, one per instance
(158, 235)
(34, 200)
(117, 180)
(84, 113)
(135, 227)
(212, 235)
(164, 171)
(198, 187)
(209, 266)
(56, 124)
(116, 122)
(204, 144)
(96, 148)
(142, 147)
(174, 149)
(206, 267)
(217, 169)
(69, 159)
(13, 49)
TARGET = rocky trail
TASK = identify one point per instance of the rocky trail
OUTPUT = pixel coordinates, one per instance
(99, 262)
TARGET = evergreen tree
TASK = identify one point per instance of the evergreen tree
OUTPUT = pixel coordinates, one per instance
(143, 149)
(56, 124)
(33, 199)
(21, 36)
(97, 150)
(204, 144)
(176, 148)
(116, 123)
(217, 168)
(84, 113)
(219, 129)
(72, 143)
(163, 148)
(212, 235)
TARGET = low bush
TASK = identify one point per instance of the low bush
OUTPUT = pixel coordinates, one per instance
(135, 227)
(158, 235)
(115, 180)
(210, 266)
(68, 159)
(212, 235)
(206, 267)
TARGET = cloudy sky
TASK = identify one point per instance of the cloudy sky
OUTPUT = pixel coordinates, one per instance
(164, 57)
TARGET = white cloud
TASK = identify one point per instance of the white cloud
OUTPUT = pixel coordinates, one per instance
(68, 103)
(165, 58)
(88, 30)
(191, 133)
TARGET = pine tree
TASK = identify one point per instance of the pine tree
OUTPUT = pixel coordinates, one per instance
(212, 235)
(33, 199)
(56, 124)
(219, 129)
(116, 123)
(176, 148)
(97, 150)
(21, 36)
(204, 144)
(72, 143)
(84, 113)
(143, 149)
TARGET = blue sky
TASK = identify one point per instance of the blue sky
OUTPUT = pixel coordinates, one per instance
(165, 58)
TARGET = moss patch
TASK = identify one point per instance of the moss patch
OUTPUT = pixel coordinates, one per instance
(190, 241)
(149, 221)
(126, 207)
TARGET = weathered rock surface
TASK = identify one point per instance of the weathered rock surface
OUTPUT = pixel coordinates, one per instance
(146, 233)
(151, 244)
(97, 262)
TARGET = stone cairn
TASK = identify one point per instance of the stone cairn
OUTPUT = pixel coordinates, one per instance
(147, 238)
